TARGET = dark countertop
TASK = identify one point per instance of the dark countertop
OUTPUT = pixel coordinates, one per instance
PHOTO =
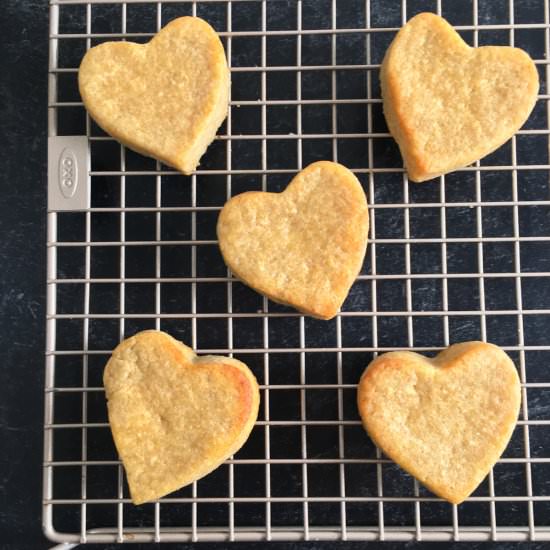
(23, 100)
(23, 96)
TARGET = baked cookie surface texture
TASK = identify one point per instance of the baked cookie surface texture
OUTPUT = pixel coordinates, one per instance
(448, 104)
(164, 99)
(445, 420)
(303, 247)
(175, 416)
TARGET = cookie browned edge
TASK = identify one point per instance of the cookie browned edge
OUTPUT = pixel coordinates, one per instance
(196, 360)
(415, 164)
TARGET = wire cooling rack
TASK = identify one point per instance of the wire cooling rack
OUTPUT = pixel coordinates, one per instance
(466, 256)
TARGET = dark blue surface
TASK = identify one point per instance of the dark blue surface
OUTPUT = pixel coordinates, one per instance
(23, 96)
(23, 36)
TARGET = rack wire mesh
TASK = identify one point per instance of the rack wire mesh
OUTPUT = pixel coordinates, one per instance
(463, 257)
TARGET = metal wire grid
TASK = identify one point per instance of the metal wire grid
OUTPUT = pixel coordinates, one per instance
(382, 502)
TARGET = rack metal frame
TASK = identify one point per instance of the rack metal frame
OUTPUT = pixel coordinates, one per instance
(193, 531)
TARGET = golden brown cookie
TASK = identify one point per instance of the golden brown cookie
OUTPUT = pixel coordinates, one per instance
(447, 104)
(303, 247)
(174, 416)
(164, 99)
(445, 420)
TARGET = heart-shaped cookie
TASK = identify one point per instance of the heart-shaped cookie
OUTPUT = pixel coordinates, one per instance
(303, 247)
(174, 416)
(447, 104)
(166, 98)
(445, 420)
